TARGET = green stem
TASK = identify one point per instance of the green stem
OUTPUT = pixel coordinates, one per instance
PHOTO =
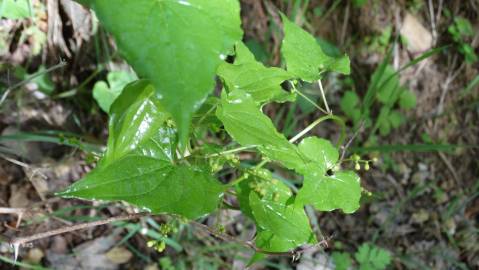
(231, 151)
(308, 99)
(319, 121)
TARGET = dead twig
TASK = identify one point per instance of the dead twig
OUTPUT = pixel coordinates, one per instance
(18, 241)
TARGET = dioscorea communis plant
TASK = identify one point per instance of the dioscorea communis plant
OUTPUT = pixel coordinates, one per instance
(157, 157)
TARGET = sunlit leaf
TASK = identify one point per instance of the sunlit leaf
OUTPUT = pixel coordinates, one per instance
(323, 188)
(138, 166)
(245, 122)
(304, 56)
(282, 224)
(106, 92)
(249, 75)
(176, 44)
(152, 184)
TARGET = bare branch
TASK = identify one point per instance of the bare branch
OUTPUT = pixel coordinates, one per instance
(23, 240)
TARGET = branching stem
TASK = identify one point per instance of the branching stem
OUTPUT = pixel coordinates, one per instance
(324, 97)
(319, 121)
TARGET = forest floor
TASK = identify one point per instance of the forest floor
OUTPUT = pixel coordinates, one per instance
(423, 207)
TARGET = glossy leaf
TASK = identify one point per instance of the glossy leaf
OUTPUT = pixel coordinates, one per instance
(340, 190)
(138, 125)
(176, 44)
(152, 184)
(326, 193)
(138, 166)
(282, 224)
(105, 93)
(245, 122)
(304, 56)
(320, 151)
(249, 75)
(277, 212)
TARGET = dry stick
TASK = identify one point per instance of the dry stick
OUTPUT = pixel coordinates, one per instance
(18, 241)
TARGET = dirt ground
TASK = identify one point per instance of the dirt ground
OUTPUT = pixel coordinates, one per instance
(423, 207)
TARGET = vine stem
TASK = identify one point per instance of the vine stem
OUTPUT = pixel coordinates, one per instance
(231, 151)
(324, 97)
(308, 99)
(319, 121)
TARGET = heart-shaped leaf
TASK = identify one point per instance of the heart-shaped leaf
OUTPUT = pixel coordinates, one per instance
(326, 193)
(152, 184)
(177, 44)
(249, 75)
(320, 151)
(105, 93)
(138, 166)
(281, 222)
(304, 56)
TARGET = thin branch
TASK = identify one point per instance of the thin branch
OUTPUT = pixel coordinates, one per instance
(18, 241)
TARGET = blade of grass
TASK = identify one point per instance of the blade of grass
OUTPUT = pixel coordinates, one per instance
(57, 137)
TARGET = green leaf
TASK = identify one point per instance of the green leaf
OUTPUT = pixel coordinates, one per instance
(340, 190)
(176, 44)
(138, 166)
(396, 119)
(388, 84)
(372, 258)
(326, 193)
(106, 92)
(15, 9)
(152, 184)
(304, 56)
(138, 125)
(264, 84)
(320, 151)
(244, 121)
(407, 100)
(383, 122)
(275, 211)
(350, 106)
(282, 223)
(349, 101)
(342, 260)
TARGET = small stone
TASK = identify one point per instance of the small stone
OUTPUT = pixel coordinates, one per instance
(420, 217)
(119, 255)
(35, 255)
(419, 39)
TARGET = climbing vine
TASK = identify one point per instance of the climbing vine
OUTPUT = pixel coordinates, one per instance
(158, 158)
